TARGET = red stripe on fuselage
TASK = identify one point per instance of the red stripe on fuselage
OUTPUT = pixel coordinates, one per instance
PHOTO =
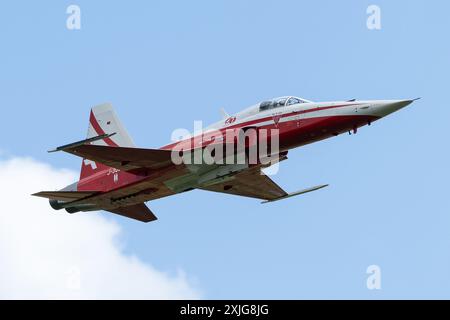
(260, 120)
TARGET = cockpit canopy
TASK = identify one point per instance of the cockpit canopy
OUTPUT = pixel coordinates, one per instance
(280, 102)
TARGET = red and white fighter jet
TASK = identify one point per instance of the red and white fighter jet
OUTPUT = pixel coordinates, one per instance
(119, 178)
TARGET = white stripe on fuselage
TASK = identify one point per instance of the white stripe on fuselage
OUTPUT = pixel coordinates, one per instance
(334, 109)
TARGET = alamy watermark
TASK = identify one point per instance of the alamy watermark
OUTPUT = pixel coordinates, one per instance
(374, 19)
(73, 280)
(73, 21)
(373, 281)
(251, 146)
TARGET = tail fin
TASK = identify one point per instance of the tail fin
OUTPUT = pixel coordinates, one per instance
(103, 120)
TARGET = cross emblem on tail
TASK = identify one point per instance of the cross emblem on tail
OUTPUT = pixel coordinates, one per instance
(88, 162)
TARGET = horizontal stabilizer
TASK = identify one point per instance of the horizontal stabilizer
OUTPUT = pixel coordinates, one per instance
(138, 212)
(64, 195)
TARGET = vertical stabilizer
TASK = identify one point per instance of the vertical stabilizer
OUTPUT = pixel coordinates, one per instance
(103, 120)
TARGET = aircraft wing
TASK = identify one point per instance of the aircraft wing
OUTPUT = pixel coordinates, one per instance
(252, 183)
(123, 158)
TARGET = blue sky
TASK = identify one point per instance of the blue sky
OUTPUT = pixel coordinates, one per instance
(164, 64)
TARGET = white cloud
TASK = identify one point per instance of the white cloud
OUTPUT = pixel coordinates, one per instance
(48, 254)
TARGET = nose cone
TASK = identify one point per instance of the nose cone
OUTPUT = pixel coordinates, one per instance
(383, 108)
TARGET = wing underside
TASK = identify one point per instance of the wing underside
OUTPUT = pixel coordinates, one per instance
(251, 183)
(160, 178)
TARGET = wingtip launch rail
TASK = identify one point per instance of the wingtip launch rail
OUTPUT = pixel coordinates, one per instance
(82, 142)
(293, 194)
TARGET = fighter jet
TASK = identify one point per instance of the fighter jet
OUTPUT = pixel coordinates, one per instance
(118, 177)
